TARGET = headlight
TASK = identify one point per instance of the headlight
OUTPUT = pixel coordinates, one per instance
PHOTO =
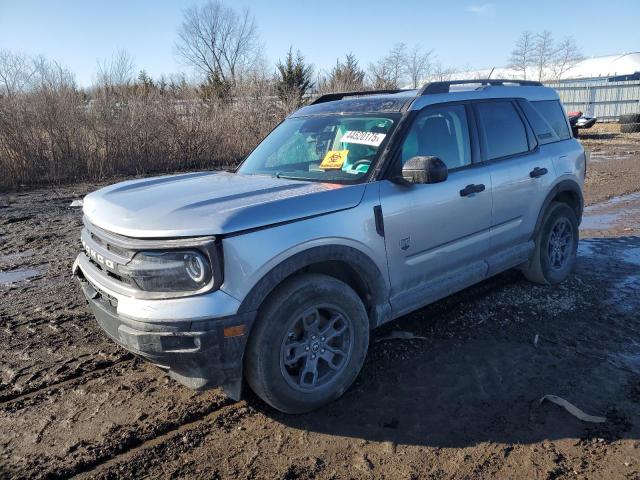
(173, 271)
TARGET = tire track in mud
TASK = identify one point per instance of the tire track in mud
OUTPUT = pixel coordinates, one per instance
(187, 435)
(78, 427)
(101, 368)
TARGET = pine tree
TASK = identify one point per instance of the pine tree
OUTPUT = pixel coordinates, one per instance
(215, 87)
(346, 76)
(145, 83)
(293, 78)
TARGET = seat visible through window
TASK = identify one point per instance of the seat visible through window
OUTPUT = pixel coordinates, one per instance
(440, 132)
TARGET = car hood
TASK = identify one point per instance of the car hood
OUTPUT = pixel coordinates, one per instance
(211, 203)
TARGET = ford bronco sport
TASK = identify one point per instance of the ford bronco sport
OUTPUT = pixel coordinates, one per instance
(355, 210)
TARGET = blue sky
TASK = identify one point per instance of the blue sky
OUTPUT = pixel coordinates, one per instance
(477, 34)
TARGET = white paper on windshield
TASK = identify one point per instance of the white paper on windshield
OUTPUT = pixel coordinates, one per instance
(373, 139)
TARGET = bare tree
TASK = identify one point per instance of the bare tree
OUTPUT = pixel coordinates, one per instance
(441, 73)
(522, 55)
(567, 56)
(388, 72)
(543, 53)
(419, 65)
(15, 72)
(117, 71)
(218, 41)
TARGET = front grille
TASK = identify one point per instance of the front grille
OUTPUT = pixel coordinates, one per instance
(115, 276)
(104, 254)
(108, 246)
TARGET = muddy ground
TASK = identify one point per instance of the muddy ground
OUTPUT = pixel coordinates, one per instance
(459, 402)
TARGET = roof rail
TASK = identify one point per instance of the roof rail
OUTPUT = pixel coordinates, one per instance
(444, 87)
(330, 97)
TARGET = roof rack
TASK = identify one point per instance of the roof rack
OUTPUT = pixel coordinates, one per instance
(330, 97)
(444, 87)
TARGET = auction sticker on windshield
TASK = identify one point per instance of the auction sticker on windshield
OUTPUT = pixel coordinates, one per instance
(364, 138)
(334, 159)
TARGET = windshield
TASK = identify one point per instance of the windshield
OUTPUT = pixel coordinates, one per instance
(335, 148)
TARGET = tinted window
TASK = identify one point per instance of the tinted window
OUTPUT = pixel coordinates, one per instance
(552, 112)
(441, 132)
(504, 131)
(544, 132)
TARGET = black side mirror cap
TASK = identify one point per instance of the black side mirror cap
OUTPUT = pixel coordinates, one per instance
(421, 170)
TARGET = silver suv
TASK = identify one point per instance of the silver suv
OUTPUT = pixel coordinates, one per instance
(354, 211)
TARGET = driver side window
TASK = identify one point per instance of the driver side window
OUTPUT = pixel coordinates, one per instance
(440, 131)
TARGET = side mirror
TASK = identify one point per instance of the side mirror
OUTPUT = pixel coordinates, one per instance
(424, 170)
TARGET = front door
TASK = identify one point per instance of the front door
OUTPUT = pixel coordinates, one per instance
(437, 235)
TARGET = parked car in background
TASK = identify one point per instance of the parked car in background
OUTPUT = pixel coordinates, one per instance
(354, 211)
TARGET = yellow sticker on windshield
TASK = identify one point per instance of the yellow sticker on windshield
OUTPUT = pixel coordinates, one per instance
(334, 159)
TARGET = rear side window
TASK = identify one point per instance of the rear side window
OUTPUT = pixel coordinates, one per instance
(504, 132)
(544, 132)
(553, 113)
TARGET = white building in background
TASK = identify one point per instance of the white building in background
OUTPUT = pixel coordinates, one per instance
(605, 87)
(595, 67)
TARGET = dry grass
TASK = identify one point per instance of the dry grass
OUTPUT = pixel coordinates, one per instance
(57, 133)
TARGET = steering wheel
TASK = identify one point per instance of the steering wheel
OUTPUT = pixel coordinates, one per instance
(360, 162)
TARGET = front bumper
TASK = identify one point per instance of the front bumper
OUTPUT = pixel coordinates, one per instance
(196, 339)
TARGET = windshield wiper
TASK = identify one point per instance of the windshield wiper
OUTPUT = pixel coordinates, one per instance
(288, 177)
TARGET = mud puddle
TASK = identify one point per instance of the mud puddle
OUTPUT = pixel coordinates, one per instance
(14, 276)
(599, 156)
(618, 212)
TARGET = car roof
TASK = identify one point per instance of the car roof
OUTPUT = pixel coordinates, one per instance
(360, 102)
(389, 101)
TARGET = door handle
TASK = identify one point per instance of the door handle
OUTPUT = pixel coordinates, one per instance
(538, 172)
(471, 189)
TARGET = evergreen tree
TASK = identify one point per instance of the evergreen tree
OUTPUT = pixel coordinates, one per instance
(215, 87)
(293, 78)
(145, 82)
(346, 76)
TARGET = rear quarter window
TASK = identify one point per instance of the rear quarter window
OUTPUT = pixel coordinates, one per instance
(553, 113)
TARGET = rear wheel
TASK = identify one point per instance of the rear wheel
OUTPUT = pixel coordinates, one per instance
(556, 245)
(308, 345)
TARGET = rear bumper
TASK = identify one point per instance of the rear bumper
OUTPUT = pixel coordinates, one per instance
(201, 352)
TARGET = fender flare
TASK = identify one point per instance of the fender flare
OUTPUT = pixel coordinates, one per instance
(570, 186)
(366, 269)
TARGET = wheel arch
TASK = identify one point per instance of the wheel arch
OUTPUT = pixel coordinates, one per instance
(342, 262)
(565, 191)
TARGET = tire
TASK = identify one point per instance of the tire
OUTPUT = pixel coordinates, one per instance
(279, 361)
(544, 266)
(629, 118)
(630, 128)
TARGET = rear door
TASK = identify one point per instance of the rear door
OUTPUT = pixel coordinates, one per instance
(437, 235)
(521, 176)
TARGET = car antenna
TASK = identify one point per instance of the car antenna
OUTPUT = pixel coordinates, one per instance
(490, 73)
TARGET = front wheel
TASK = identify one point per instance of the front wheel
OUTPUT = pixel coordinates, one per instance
(308, 345)
(556, 246)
